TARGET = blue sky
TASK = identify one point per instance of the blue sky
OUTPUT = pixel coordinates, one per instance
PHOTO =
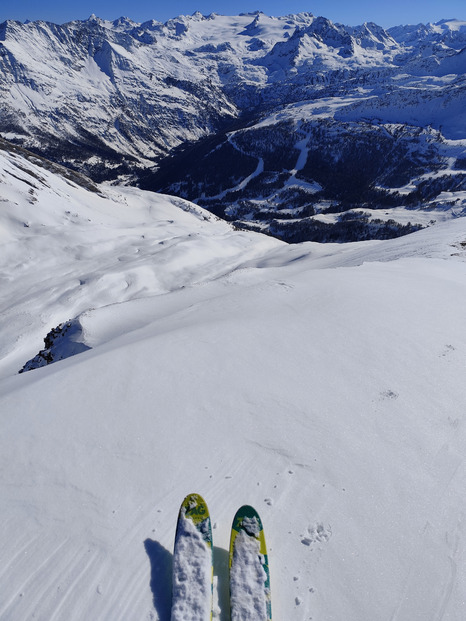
(351, 12)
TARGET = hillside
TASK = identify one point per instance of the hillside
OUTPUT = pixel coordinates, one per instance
(323, 384)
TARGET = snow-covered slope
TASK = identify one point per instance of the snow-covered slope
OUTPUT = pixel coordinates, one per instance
(122, 88)
(76, 248)
(322, 384)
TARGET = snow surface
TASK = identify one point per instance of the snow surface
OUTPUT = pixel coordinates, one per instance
(323, 385)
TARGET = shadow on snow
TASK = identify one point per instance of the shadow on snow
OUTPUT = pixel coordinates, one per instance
(161, 564)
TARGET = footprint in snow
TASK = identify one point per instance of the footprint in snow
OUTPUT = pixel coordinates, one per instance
(389, 394)
(448, 349)
(317, 534)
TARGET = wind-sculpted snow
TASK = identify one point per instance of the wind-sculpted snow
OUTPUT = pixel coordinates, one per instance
(79, 243)
(321, 383)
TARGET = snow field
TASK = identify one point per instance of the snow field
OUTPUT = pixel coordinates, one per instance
(323, 385)
(77, 250)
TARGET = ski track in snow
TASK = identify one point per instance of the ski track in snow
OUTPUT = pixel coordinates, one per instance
(323, 385)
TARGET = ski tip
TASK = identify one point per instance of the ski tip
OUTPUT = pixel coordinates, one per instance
(247, 525)
(243, 515)
(194, 508)
(248, 520)
(192, 500)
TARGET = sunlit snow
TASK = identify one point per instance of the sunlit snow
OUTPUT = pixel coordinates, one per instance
(321, 384)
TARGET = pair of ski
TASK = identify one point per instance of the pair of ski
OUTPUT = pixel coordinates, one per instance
(250, 598)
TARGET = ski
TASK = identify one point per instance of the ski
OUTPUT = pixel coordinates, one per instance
(250, 596)
(192, 562)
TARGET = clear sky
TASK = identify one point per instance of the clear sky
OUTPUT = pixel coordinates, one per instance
(351, 12)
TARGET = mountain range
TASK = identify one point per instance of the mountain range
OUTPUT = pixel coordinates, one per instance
(294, 126)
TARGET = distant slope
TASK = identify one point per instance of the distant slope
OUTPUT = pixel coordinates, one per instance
(321, 171)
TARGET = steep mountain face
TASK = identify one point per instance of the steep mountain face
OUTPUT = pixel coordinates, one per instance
(294, 125)
(104, 98)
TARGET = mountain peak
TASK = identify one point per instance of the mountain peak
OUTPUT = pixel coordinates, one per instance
(123, 21)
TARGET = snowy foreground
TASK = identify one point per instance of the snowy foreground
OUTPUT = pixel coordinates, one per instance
(324, 385)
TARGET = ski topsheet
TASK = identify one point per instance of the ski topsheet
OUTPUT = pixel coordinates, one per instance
(192, 562)
(250, 597)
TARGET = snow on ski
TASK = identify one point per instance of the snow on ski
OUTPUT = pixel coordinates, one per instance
(192, 562)
(250, 597)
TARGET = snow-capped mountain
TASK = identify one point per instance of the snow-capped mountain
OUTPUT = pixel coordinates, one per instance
(321, 383)
(301, 127)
